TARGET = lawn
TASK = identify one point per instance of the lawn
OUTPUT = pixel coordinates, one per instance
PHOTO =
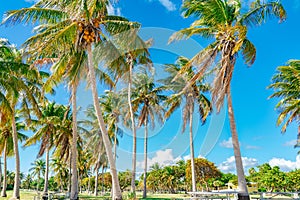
(29, 195)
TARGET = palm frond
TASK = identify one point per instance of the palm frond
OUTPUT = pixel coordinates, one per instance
(260, 12)
(33, 15)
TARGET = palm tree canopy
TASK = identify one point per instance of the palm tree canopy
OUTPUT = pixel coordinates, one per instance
(190, 95)
(49, 126)
(226, 23)
(286, 85)
(64, 22)
(6, 136)
(147, 99)
(38, 167)
(20, 82)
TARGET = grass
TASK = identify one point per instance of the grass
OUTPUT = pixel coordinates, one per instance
(26, 195)
(29, 195)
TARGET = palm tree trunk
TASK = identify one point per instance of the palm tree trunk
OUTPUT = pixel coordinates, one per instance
(242, 184)
(192, 151)
(116, 186)
(89, 184)
(145, 159)
(102, 184)
(133, 127)
(115, 145)
(16, 192)
(70, 173)
(45, 192)
(74, 182)
(61, 183)
(3, 193)
(79, 183)
(96, 182)
(38, 185)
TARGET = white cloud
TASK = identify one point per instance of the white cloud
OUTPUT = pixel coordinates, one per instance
(227, 143)
(229, 164)
(290, 143)
(169, 5)
(162, 157)
(285, 165)
(113, 10)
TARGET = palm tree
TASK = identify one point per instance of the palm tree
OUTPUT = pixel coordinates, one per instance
(93, 141)
(190, 96)
(155, 167)
(63, 142)
(6, 145)
(66, 22)
(19, 83)
(227, 24)
(47, 128)
(10, 177)
(147, 97)
(26, 183)
(131, 51)
(61, 172)
(112, 103)
(286, 85)
(38, 169)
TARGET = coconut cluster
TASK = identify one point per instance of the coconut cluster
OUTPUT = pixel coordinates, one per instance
(89, 32)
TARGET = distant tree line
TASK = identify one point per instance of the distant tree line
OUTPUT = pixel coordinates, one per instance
(174, 178)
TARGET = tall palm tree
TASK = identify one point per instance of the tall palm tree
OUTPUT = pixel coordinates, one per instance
(38, 168)
(147, 99)
(286, 85)
(191, 96)
(20, 86)
(226, 24)
(6, 145)
(47, 128)
(127, 51)
(87, 22)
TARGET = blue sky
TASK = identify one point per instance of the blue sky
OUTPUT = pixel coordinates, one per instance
(261, 141)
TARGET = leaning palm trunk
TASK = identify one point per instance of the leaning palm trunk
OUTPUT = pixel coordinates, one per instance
(242, 184)
(192, 151)
(3, 193)
(115, 181)
(45, 192)
(16, 192)
(133, 128)
(74, 179)
(96, 182)
(145, 159)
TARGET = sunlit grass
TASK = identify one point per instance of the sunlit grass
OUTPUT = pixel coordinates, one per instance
(29, 195)
(26, 195)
